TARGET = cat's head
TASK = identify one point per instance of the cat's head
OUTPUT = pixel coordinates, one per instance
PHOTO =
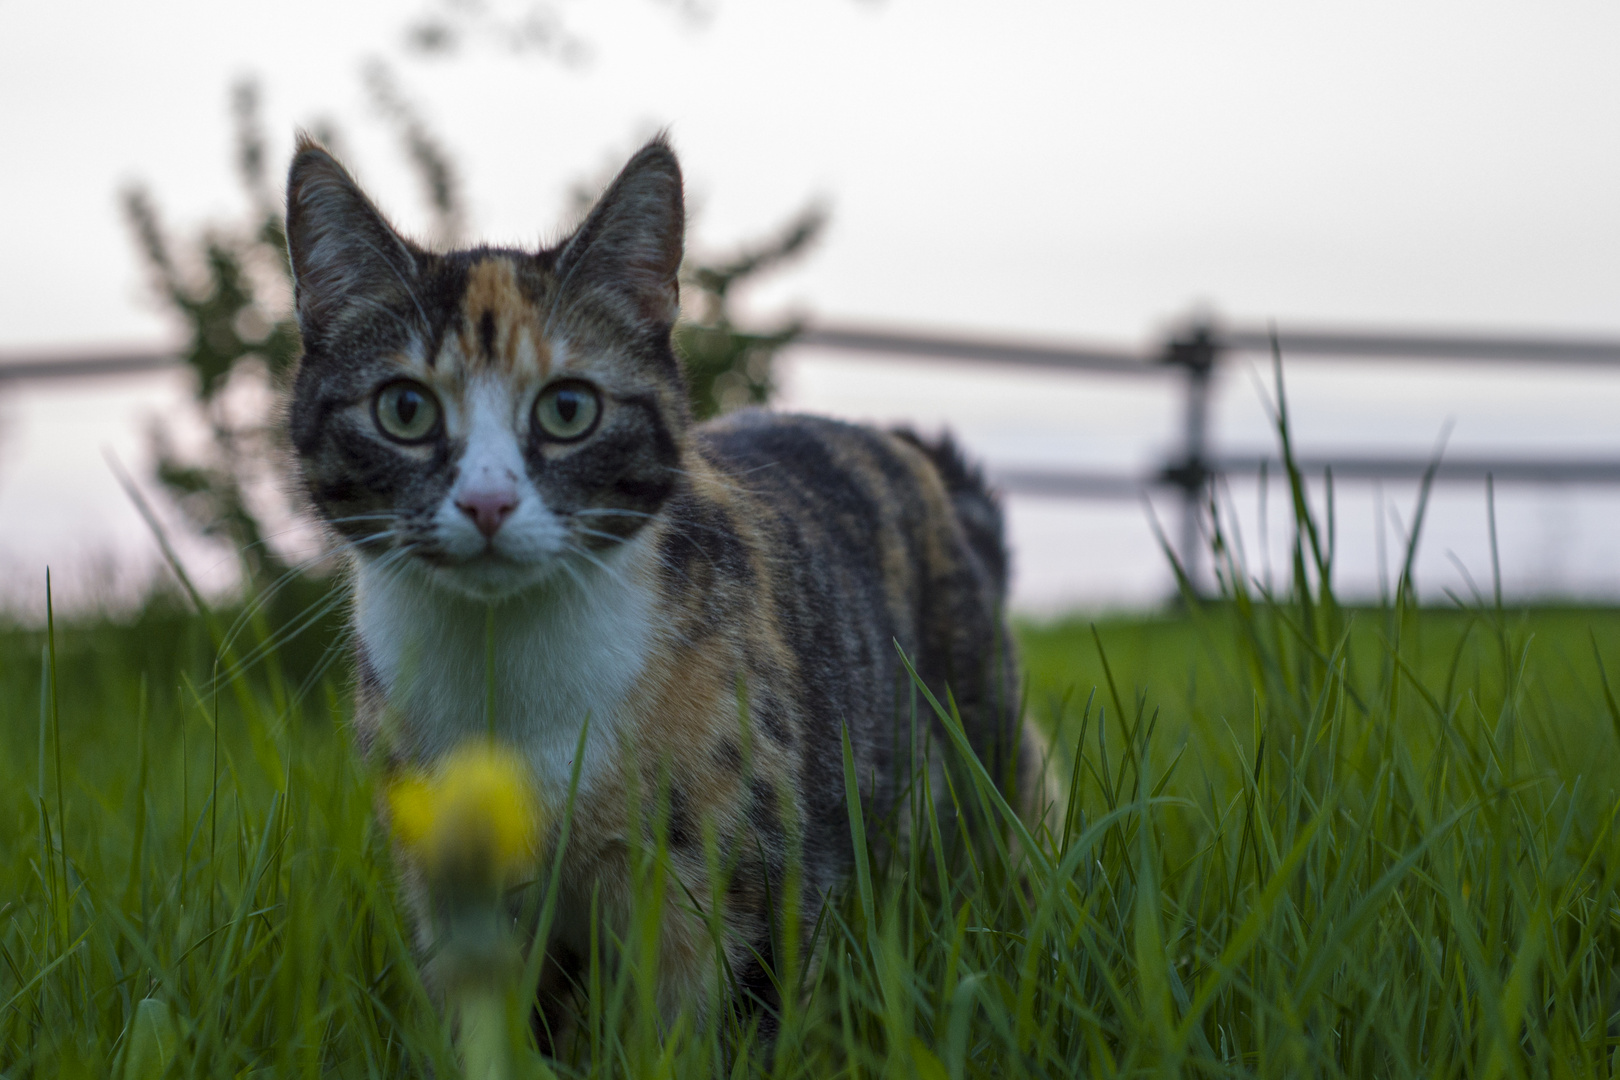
(492, 418)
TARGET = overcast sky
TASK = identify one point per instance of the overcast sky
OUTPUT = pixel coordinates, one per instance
(1033, 166)
(1040, 168)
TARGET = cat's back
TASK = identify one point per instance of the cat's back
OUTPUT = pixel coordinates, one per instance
(882, 505)
(838, 542)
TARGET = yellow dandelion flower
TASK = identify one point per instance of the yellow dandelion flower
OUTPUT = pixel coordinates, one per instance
(475, 815)
(410, 809)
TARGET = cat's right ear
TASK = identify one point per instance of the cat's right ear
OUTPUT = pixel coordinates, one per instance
(627, 252)
(346, 258)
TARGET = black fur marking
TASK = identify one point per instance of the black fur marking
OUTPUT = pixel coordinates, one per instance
(560, 978)
(441, 292)
(976, 507)
(643, 490)
(756, 991)
(365, 673)
(728, 755)
(703, 553)
(486, 335)
(770, 714)
(679, 559)
(308, 419)
(664, 448)
(765, 818)
(340, 489)
(680, 818)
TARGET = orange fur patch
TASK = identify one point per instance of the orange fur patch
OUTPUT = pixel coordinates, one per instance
(517, 348)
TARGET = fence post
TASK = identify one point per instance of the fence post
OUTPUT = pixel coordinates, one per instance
(1195, 351)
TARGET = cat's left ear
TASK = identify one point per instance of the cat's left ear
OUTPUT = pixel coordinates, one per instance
(628, 251)
(347, 261)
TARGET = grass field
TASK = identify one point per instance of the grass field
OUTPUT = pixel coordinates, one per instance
(1297, 839)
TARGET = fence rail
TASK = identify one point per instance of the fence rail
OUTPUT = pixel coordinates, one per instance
(1194, 355)
(1072, 483)
(1348, 343)
(933, 348)
(86, 366)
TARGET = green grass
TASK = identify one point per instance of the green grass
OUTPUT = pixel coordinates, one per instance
(1296, 839)
(1537, 669)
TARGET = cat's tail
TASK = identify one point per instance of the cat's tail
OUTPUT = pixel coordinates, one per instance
(977, 508)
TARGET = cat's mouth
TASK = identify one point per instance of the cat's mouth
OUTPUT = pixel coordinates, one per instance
(488, 575)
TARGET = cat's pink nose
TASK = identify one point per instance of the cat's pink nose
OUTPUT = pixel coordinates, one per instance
(488, 509)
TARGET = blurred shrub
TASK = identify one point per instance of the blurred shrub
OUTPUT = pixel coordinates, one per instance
(230, 288)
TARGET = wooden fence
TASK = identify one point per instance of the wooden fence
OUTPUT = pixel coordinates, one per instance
(1190, 358)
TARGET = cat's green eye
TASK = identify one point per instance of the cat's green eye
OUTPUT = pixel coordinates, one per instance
(406, 411)
(567, 411)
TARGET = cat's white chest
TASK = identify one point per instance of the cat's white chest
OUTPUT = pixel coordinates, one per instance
(560, 656)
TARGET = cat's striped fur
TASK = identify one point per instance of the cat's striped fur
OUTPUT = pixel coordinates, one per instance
(721, 600)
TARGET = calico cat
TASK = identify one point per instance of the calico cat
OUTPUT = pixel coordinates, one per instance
(507, 431)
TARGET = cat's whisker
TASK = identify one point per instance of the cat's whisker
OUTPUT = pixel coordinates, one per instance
(585, 554)
(261, 601)
(351, 518)
(391, 568)
(264, 541)
(657, 552)
(578, 578)
(305, 619)
(334, 650)
(679, 530)
(266, 595)
(333, 545)
(605, 512)
(356, 545)
(729, 481)
(300, 622)
(617, 573)
(600, 535)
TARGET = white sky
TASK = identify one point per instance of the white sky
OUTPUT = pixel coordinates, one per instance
(1049, 169)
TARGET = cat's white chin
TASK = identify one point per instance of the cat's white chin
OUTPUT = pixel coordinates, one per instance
(492, 579)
